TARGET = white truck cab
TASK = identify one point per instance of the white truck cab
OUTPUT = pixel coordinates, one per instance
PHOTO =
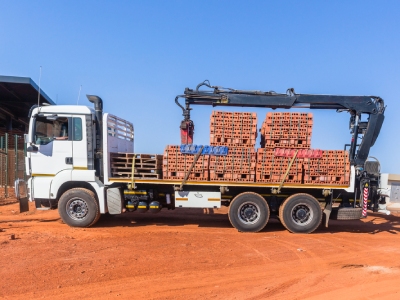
(67, 153)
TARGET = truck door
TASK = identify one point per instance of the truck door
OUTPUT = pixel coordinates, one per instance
(53, 139)
(80, 143)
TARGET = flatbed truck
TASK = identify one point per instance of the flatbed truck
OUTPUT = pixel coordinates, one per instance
(68, 161)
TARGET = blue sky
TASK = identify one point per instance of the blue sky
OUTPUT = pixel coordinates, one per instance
(138, 55)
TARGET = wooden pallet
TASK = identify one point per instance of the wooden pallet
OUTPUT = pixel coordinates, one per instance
(142, 158)
(136, 176)
(145, 165)
(137, 169)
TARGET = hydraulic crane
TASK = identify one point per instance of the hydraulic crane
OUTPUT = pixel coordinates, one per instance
(367, 172)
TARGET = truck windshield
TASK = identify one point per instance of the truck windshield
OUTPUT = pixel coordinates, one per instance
(48, 130)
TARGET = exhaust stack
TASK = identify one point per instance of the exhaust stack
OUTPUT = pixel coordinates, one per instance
(98, 107)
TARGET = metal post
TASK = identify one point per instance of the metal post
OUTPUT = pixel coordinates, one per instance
(6, 171)
(16, 157)
(1, 160)
(24, 162)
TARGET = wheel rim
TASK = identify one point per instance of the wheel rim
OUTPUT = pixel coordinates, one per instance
(302, 214)
(249, 213)
(77, 209)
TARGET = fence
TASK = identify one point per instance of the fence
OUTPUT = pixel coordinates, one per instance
(12, 165)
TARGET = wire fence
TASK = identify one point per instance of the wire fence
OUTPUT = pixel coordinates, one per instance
(12, 165)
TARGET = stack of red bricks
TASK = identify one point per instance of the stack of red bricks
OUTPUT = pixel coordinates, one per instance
(292, 132)
(272, 168)
(282, 136)
(238, 165)
(238, 131)
(333, 168)
(283, 130)
(176, 165)
(233, 129)
(287, 130)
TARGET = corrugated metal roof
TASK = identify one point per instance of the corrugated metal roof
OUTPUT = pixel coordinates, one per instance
(17, 95)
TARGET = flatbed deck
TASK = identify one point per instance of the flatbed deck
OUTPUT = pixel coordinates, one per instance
(227, 183)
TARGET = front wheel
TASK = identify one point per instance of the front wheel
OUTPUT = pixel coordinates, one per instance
(78, 207)
(300, 213)
(248, 212)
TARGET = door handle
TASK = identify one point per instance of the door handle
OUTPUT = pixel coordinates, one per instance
(68, 160)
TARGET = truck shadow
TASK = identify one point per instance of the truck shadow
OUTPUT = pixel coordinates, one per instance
(374, 224)
(177, 217)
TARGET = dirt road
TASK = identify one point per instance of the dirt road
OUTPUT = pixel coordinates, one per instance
(189, 254)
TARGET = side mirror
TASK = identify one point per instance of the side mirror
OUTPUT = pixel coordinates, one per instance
(32, 148)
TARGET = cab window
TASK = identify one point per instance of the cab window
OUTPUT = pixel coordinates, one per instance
(47, 130)
(77, 132)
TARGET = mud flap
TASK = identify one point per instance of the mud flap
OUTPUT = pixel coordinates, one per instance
(115, 201)
(38, 203)
(23, 205)
(21, 194)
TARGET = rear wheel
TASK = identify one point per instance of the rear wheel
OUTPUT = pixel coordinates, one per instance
(300, 213)
(78, 207)
(249, 212)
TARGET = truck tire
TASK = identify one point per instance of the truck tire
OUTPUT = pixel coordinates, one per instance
(300, 213)
(249, 212)
(78, 207)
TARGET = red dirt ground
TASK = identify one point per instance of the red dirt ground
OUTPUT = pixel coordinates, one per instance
(189, 254)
